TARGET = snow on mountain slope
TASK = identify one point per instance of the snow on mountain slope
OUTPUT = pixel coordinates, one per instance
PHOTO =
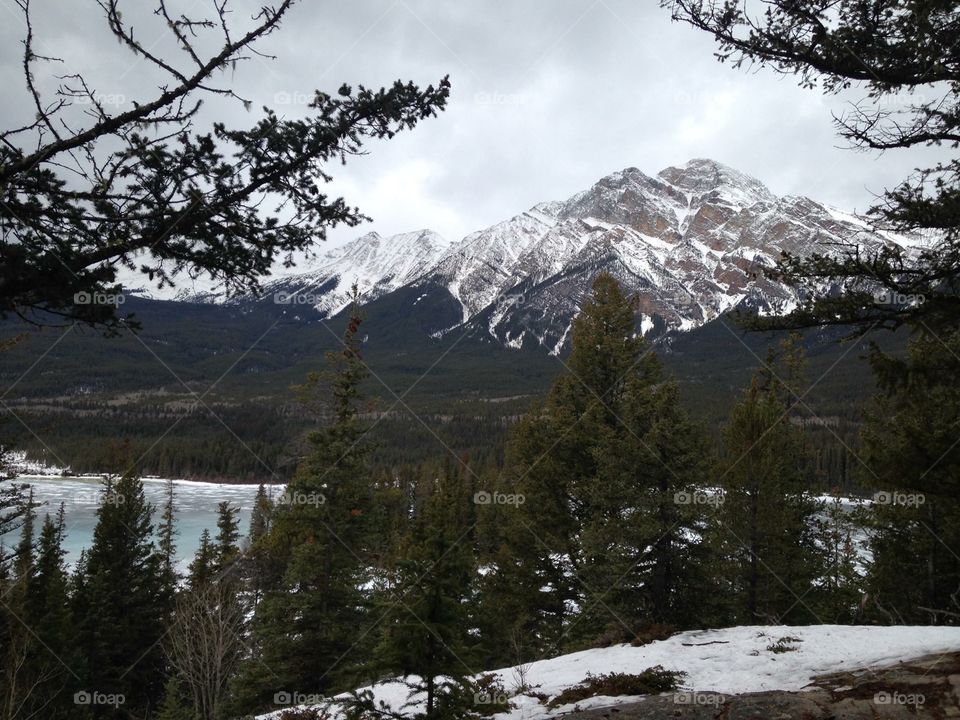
(377, 265)
(478, 268)
(730, 661)
(691, 242)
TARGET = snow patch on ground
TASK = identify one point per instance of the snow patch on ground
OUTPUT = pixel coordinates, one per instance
(730, 661)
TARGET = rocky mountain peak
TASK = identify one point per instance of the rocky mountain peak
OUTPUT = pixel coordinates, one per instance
(692, 242)
(702, 177)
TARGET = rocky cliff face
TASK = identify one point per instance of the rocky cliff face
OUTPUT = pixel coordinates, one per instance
(691, 242)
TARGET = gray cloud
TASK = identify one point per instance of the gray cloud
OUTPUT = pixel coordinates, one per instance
(548, 97)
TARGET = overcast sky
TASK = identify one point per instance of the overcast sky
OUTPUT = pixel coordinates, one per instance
(548, 96)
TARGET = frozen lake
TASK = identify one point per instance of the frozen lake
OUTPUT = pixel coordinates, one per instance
(196, 507)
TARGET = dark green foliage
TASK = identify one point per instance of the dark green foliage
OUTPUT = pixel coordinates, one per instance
(167, 544)
(119, 602)
(768, 556)
(651, 681)
(202, 570)
(911, 461)
(254, 564)
(168, 199)
(600, 464)
(260, 516)
(12, 504)
(313, 608)
(38, 652)
(425, 607)
(174, 705)
(841, 589)
(228, 538)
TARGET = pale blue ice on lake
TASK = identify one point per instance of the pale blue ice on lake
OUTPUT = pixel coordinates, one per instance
(196, 508)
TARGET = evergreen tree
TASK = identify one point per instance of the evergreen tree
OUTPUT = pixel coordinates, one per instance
(228, 539)
(25, 547)
(307, 624)
(26, 667)
(911, 461)
(255, 560)
(842, 586)
(426, 619)
(642, 560)
(202, 570)
(771, 558)
(167, 536)
(599, 465)
(120, 605)
(174, 705)
(47, 613)
(12, 505)
(260, 515)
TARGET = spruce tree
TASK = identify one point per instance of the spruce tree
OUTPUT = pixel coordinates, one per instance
(309, 620)
(202, 569)
(260, 516)
(642, 560)
(25, 547)
(842, 588)
(227, 540)
(174, 705)
(46, 612)
(255, 560)
(599, 465)
(121, 608)
(425, 617)
(910, 462)
(167, 536)
(771, 558)
(25, 665)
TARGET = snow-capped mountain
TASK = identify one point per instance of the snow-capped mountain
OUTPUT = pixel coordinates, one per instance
(691, 242)
(376, 265)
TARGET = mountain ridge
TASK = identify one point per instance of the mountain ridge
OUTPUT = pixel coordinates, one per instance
(692, 242)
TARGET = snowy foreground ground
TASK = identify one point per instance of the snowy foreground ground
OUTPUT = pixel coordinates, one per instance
(736, 660)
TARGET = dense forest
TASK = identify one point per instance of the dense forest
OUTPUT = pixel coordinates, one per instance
(612, 517)
(614, 495)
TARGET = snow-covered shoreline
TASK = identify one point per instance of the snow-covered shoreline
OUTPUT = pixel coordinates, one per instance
(23, 469)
